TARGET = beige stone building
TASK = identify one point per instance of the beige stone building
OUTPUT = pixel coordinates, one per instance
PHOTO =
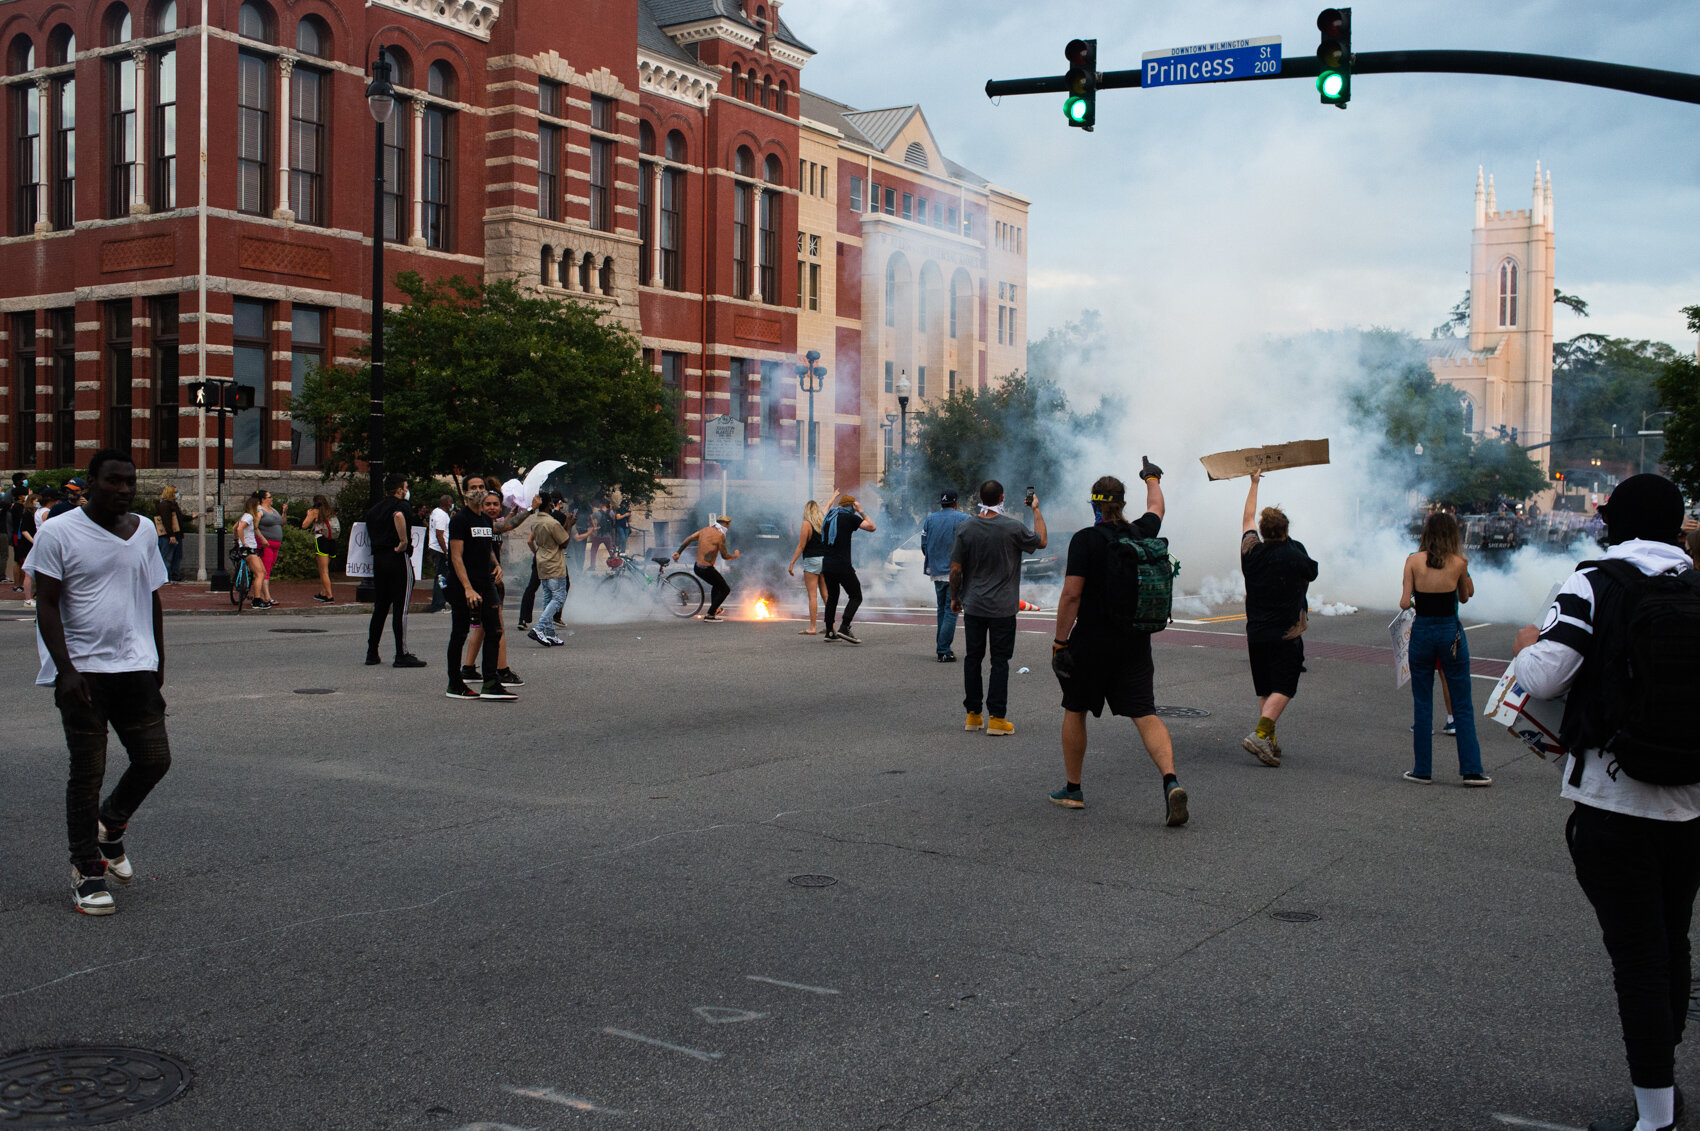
(1503, 368)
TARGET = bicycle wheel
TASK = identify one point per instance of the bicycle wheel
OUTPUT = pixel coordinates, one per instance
(680, 594)
(240, 583)
(617, 587)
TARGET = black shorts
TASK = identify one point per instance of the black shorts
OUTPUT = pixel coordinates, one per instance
(1275, 666)
(1121, 675)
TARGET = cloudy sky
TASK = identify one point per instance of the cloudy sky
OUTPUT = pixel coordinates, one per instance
(1243, 209)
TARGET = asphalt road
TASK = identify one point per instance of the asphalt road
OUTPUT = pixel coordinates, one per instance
(380, 908)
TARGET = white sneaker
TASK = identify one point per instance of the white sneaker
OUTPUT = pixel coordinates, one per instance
(30, 604)
(118, 867)
(89, 894)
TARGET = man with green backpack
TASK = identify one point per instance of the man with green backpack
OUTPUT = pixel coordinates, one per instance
(1118, 590)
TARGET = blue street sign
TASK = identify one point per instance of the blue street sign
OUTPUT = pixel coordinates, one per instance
(1212, 62)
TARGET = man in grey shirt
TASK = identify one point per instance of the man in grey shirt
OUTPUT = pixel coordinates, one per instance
(985, 586)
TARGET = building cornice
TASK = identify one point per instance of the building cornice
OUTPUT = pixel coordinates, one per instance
(721, 28)
(669, 78)
(474, 18)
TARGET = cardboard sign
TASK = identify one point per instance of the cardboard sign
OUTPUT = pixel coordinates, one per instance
(1399, 629)
(1271, 457)
(1535, 721)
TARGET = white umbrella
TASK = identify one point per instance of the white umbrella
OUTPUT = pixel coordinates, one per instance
(520, 494)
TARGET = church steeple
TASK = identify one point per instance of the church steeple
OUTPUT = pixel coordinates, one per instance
(1481, 199)
(1537, 212)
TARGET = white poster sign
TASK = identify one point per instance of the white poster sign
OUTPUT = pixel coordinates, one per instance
(723, 439)
(359, 563)
(1400, 631)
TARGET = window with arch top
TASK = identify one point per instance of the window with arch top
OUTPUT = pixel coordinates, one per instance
(1508, 292)
(253, 21)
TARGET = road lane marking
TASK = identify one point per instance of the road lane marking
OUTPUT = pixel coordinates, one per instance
(1538, 1124)
(791, 985)
(726, 1014)
(660, 1044)
(1484, 624)
(550, 1095)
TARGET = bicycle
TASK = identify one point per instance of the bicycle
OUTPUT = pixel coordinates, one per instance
(241, 577)
(676, 591)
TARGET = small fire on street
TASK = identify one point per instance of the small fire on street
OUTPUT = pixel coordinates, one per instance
(762, 611)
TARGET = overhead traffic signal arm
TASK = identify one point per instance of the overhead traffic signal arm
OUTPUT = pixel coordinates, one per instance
(1674, 86)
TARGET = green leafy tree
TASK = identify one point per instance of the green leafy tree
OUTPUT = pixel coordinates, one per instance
(1459, 316)
(1018, 430)
(482, 376)
(1679, 392)
(1399, 394)
(1600, 384)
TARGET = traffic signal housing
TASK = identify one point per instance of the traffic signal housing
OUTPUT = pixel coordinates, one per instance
(1081, 105)
(1334, 53)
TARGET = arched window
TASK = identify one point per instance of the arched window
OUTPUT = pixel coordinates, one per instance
(119, 28)
(165, 17)
(784, 106)
(1508, 292)
(646, 205)
(437, 168)
(21, 57)
(891, 292)
(61, 46)
(585, 267)
(673, 215)
(309, 118)
(546, 266)
(770, 93)
(646, 139)
(123, 161)
(254, 87)
(767, 263)
(254, 22)
(312, 38)
(1469, 407)
(743, 202)
(752, 92)
(605, 278)
(162, 114)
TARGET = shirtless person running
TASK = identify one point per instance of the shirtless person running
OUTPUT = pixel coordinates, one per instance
(711, 542)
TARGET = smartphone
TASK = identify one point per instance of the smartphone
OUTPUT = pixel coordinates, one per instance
(1030, 495)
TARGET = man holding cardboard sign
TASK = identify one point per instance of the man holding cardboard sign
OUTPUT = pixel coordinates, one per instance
(1278, 573)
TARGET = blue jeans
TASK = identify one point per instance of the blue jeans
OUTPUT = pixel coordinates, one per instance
(947, 619)
(1433, 637)
(554, 596)
(171, 555)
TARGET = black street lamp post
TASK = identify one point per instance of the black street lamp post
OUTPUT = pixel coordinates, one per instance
(810, 378)
(380, 99)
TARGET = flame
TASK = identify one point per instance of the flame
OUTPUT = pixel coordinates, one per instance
(762, 611)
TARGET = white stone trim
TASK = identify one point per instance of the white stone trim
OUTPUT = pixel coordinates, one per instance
(466, 16)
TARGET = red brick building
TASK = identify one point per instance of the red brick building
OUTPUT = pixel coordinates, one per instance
(644, 156)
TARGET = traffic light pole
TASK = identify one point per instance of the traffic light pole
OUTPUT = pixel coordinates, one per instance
(1672, 85)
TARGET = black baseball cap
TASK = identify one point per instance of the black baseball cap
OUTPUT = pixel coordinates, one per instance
(948, 498)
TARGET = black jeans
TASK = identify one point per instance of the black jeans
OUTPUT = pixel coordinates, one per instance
(1641, 876)
(974, 632)
(392, 587)
(718, 590)
(488, 614)
(131, 704)
(836, 579)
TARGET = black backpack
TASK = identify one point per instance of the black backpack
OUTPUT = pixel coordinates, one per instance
(1139, 582)
(1637, 685)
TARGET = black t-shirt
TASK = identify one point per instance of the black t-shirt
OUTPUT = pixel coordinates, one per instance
(61, 507)
(841, 525)
(1088, 557)
(477, 550)
(380, 523)
(1277, 579)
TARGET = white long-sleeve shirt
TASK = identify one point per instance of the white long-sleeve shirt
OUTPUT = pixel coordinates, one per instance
(1549, 667)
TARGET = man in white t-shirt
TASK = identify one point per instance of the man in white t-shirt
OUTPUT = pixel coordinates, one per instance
(100, 633)
(437, 545)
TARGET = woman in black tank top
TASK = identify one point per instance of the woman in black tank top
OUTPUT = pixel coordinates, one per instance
(1437, 580)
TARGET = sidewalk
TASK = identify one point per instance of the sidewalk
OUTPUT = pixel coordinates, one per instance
(292, 597)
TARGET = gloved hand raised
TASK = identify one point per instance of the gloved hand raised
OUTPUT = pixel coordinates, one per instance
(1149, 470)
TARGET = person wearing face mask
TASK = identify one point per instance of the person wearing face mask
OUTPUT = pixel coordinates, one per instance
(985, 586)
(392, 571)
(1098, 663)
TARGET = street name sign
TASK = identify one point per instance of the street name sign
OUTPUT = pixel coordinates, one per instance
(1212, 62)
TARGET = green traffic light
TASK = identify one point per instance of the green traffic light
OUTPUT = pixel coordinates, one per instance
(1075, 109)
(1331, 84)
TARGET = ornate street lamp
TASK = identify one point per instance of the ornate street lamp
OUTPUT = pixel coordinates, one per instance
(380, 100)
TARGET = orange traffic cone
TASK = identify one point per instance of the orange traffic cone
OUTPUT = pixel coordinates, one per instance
(1030, 607)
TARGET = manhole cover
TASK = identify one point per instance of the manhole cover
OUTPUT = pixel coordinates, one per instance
(83, 1087)
(315, 691)
(1296, 916)
(295, 631)
(813, 881)
(1183, 712)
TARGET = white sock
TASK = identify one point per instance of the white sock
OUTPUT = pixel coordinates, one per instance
(1657, 1108)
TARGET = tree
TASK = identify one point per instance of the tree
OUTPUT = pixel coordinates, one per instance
(1399, 393)
(482, 376)
(1018, 430)
(1459, 315)
(1679, 391)
(1599, 383)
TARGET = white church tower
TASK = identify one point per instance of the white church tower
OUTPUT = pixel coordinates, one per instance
(1503, 369)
